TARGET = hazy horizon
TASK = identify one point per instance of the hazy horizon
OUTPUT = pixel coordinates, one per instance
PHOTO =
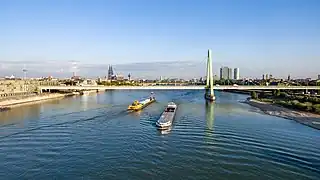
(259, 37)
(148, 70)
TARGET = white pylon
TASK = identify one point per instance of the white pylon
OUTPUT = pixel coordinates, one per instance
(211, 73)
(209, 78)
(208, 73)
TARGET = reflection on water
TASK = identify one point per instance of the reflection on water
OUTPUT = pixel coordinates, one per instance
(20, 113)
(110, 96)
(84, 102)
(57, 140)
(210, 115)
(209, 111)
(89, 101)
(135, 113)
(165, 131)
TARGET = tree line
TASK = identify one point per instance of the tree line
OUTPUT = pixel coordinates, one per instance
(299, 102)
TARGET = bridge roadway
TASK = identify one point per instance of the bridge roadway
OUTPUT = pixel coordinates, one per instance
(177, 87)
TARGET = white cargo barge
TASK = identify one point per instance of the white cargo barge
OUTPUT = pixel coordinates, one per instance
(166, 118)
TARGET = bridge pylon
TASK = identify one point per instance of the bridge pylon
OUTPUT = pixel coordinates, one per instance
(209, 93)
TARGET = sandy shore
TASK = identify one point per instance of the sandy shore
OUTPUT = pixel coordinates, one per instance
(306, 118)
(27, 100)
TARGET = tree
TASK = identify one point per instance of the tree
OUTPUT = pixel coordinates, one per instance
(316, 108)
(278, 92)
(254, 95)
(283, 95)
(274, 92)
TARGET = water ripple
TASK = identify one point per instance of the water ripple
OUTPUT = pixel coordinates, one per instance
(222, 140)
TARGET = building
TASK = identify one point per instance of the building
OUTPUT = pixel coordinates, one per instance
(262, 76)
(289, 78)
(75, 78)
(267, 76)
(318, 76)
(224, 73)
(110, 73)
(201, 80)
(15, 87)
(99, 80)
(236, 74)
(229, 73)
(119, 77)
(88, 82)
(195, 80)
(10, 77)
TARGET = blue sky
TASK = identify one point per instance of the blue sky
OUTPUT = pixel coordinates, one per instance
(274, 36)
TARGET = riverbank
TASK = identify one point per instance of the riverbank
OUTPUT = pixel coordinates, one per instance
(306, 118)
(32, 99)
(88, 92)
(244, 91)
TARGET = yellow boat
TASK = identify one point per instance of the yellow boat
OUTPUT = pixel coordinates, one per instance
(138, 105)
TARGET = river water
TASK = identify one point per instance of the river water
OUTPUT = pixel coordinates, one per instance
(93, 137)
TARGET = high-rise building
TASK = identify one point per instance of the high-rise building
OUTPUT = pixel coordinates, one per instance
(289, 78)
(319, 76)
(262, 76)
(224, 73)
(110, 72)
(229, 73)
(267, 76)
(236, 73)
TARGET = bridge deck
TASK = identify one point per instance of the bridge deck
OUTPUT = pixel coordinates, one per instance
(178, 87)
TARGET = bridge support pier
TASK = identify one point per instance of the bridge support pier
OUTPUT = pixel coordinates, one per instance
(209, 93)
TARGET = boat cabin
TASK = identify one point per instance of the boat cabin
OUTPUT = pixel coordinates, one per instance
(169, 109)
(135, 103)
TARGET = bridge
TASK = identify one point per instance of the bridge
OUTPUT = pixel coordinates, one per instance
(209, 88)
(42, 88)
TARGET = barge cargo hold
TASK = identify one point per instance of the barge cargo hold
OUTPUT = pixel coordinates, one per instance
(166, 118)
(138, 105)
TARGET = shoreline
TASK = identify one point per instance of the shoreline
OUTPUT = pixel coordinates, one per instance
(305, 118)
(33, 99)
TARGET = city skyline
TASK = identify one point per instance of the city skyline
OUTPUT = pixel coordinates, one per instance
(278, 38)
(195, 69)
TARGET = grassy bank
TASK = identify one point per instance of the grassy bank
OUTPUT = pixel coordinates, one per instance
(306, 118)
(296, 102)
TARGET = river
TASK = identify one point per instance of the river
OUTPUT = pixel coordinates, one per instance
(93, 137)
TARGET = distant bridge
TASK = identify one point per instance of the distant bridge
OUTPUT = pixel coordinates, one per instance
(177, 87)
